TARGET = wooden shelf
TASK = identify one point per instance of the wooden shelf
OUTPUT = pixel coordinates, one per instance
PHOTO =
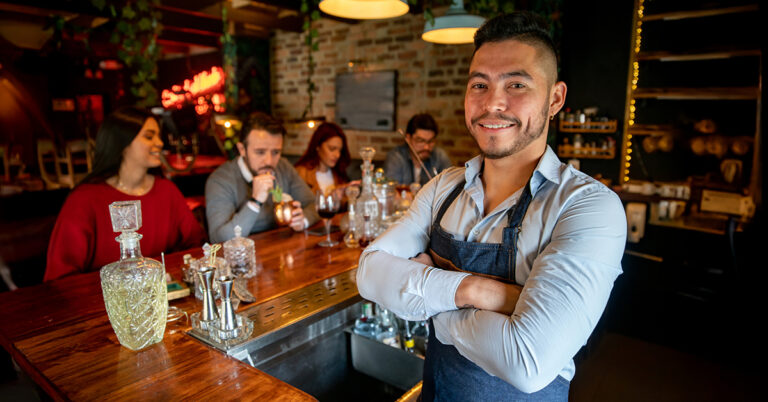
(588, 127)
(679, 15)
(732, 93)
(651, 129)
(689, 56)
(586, 153)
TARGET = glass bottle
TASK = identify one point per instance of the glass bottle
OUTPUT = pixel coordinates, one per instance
(366, 325)
(134, 289)
(367, 208)
(352, 193)
(387, 333)
(409, 345)
(240, 254)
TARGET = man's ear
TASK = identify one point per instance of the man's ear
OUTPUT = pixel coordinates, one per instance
(241, 149)
(557, 97)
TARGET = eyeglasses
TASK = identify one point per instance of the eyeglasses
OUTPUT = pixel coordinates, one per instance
(421, 141)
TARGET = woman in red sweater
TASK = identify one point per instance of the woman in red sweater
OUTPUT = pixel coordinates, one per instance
(128, 150)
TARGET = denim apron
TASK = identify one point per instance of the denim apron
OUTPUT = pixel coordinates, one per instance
(447, 374)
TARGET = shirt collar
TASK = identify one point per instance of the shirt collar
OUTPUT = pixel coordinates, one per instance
(247, 175)
(548, 169)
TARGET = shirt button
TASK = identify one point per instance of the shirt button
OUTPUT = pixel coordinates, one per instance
(475, 231)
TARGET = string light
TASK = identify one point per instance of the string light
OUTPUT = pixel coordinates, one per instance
(635, 80)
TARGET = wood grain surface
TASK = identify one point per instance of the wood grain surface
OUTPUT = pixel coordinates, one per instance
(59, 333)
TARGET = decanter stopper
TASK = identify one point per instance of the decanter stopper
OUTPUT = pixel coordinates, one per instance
(227, 311)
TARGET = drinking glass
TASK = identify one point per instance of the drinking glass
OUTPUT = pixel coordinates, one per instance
(327, 206)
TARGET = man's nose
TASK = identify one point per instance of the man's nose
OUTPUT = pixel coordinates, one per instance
(496, 100)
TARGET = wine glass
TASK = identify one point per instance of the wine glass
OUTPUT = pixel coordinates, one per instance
(327, 206)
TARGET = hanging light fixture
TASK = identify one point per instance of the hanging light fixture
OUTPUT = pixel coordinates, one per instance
(364, 9)
(455, 27)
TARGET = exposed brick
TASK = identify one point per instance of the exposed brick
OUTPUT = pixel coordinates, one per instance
(436, 84)
(383, 40)
(447, 62)
(364, 42)
(450, 92)
(436, 73)
(408, 55)
(404, 38)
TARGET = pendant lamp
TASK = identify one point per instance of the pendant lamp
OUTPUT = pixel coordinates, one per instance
(455, 27)
(364, 9)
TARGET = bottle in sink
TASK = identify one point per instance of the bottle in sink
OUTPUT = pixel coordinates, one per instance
(366, 325)
(387, 333)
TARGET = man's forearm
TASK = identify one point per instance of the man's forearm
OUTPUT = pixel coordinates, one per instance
(487, 294)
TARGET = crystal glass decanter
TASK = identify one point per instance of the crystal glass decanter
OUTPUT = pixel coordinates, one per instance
(240, 254)
(134, 288)
(367, 208)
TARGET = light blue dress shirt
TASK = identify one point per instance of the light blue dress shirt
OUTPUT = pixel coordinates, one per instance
(569, 254)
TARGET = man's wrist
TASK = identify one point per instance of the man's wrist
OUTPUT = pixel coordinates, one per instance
(257, 202)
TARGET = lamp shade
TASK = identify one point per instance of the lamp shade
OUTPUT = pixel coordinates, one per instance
(455, 27)
(364, 9)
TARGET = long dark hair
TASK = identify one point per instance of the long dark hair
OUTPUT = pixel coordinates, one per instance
(325, 132)
(115, 134)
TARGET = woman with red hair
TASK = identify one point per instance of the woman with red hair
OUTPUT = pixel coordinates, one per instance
(324, 164)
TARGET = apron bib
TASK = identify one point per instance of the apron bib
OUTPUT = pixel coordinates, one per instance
(447, 374)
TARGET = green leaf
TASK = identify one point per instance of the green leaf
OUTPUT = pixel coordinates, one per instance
(99, 4)
(304, 7)
(145, 24)
(142, 5)
(128, 12)
(313, 33)
(305, 26)
(315, 46)
(315, 15)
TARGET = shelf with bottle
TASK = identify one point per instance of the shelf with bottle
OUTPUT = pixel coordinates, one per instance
(577, 147)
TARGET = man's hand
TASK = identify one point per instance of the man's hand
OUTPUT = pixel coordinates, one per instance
(487, 294)
(261, 186)
(423, 258)
(297, 216)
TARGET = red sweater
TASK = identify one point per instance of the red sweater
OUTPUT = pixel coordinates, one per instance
(83, 240)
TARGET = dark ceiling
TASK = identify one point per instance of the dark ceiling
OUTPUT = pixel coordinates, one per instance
(189, 26)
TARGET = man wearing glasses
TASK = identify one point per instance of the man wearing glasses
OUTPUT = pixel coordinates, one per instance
(403, 166)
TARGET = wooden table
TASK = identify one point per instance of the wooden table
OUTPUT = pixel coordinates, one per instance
(59, 333)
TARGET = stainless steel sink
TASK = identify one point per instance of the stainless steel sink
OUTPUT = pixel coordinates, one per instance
(304, 339)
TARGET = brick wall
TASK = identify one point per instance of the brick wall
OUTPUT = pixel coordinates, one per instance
(431, 78)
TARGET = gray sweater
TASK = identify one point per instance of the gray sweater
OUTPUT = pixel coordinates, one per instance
(227, 194)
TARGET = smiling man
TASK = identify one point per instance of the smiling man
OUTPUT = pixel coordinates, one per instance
(237, 193)
(403, 166)
(512, 257)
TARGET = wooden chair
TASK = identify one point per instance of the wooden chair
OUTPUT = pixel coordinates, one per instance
(77, 154)
(5, 162)
(47, 154)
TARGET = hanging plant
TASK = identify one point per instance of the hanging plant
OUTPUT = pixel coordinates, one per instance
(229, 61)
(311, 13)
(136, 30)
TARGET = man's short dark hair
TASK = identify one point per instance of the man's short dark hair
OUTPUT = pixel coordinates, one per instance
(422, 121)
(523, 26)
(261, 121)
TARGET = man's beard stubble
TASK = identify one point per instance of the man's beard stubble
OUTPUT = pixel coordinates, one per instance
(525, 138)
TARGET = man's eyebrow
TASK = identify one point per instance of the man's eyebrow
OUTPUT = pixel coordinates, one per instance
(519, 73)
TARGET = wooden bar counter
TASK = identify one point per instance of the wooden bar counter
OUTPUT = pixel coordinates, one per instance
(59, 333)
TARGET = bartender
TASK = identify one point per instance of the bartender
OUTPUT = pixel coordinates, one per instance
(513, 256)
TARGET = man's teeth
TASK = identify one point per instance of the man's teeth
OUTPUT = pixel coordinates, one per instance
(496, 125)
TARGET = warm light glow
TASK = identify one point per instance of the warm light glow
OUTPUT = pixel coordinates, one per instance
(364, 9)
(192, 91)
(450, 36)
(227, 124)
(311, 124)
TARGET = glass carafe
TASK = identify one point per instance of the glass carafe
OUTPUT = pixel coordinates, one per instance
(367, 207)
(134, 289)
